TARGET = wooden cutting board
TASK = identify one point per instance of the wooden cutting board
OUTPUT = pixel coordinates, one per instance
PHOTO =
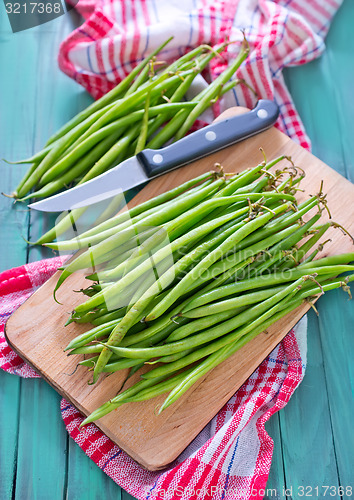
(36, 332)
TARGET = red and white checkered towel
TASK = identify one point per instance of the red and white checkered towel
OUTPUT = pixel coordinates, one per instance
(229, 459)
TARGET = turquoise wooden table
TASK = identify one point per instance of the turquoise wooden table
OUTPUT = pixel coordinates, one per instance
(313, 435)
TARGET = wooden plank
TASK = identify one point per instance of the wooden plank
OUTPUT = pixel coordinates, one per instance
(16, 138)
(33, 471)
(336, 334)
(306, 426)
(276, 478)
(16, 141)
(9, 401)
(337, 315)
(87, 481)
(40, 432)
(326, 110)
(182, 421)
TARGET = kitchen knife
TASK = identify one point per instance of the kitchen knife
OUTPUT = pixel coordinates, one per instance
(151, 163)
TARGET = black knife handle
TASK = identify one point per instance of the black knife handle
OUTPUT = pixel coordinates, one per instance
(209, 139)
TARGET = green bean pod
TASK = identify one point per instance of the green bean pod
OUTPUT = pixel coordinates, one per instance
(265, 281)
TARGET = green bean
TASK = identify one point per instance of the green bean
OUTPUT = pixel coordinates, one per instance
(142, 78)
(121, 364)
(241, 337)
(190, 55)
(74, 172)
(214, 89)
(171, 358)
(340, 282)
(164, 252)
(89, 316)
(138, 238)
(67, 163)
(299, 254)
(89, 362)
(142, 390)
(160, 139)
(125, 105)
(333, 260)
(161, 324)
(196, 325)
(110, 96)
(94, 288)
(171, 231)
(143, 248)
(117, 401)
(36, 158)
(143, 208)
(144, 126)
(278, 224)
(86, 349)
(176, 124)
(24, 179)
(312, 255)
(98, 348)
(64, 224)
(114, 365)
(196, 215)
(198, 321)
(232, 304)
(188, 280)
(58, 148)
(161, 388)
(221, 278)
(117, 128)
(125, 251)
(108, 316)
(263, 281)
(251, 250)
(98, 251)
(211, 333)
(276, 252)
(240, 183)
(161, 283)
(155, 339)
(149, 278)
(153, 216)
(112, 156)
(93, 334)
(140, 234)
(106, 273)
(214, 346)
(245, 256)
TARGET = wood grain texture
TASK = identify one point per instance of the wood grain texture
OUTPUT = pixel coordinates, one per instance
(42, 340)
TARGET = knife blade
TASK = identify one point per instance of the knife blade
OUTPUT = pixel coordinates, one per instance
(149, 163)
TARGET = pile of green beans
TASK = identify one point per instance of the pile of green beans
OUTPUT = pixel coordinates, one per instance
(147, 109)
(184, 280)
